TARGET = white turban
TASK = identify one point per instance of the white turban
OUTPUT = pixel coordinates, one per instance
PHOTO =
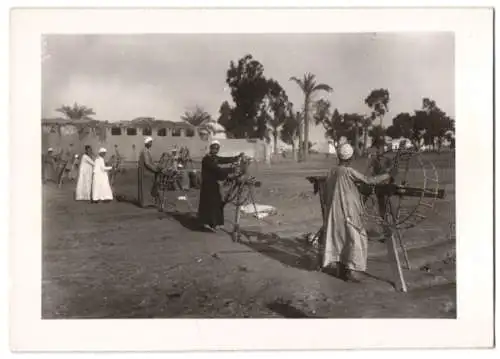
(215, 142)
(345, 151)
(102, 150)
(148, 139)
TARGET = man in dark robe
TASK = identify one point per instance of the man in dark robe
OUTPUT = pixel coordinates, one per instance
(49, 166)
(211, 206)
(146, 171)
(67, 159)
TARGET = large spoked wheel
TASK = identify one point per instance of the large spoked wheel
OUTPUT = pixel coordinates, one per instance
(406, 211)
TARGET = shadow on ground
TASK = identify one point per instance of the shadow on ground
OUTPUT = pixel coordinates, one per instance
(286, 310)
(292, 252)
(295, 252)
(188, 220)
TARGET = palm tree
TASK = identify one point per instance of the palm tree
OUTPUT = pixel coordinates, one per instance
(76, 112)
(196, 117)
(275, 122)
(309, 87)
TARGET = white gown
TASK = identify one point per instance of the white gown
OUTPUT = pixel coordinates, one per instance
(101, 190)
(84, 183)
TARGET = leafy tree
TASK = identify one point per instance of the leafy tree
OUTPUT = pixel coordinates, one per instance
(377, 134)
(290, 130)
(196, 117)
(248, 89)
(402, 126)
(432, 123)
(275, 107)
(309, 87)
(77, 112)
(352, 129)
(378, 102)
(225, 112)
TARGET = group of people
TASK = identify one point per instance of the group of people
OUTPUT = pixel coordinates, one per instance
(91, 173)
(61, 166)
(344, 245)
(211, 205)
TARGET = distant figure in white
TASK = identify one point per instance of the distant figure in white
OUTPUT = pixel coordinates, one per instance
(101, 189)
(84, 183)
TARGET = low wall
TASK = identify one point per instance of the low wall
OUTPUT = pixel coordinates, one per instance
(130, 146)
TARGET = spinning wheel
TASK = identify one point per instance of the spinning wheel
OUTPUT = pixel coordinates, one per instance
(401, 204)
(168, 180)
(409, 197)
(240, 191)
(116, 164)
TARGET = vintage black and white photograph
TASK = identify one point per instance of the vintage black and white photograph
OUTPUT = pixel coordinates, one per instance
(248, 176)
(188, 166)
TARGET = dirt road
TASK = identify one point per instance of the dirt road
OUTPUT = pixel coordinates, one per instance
(118, 261)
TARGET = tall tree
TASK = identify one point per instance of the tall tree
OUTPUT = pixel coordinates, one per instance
(196, 117)
(378, 102)
(76, 112)
(353, 124)
(290, 129)
(275, 106)
(224, 119)
(309, 87)
(377, 134)
(402, 126)
(248, 89)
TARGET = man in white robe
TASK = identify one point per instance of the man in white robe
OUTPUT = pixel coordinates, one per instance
(345, 247)
(85, 174)
(101, 189)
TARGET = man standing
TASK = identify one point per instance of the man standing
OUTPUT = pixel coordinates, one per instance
(345, 242)
(85, 176)
(145, 175)
(49, 168)
(101, 189)
(211, 207)
(67, 159)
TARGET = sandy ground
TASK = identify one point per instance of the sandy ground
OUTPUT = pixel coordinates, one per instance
(118, 261)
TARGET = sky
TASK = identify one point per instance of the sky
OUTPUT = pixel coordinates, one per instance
(127, 76)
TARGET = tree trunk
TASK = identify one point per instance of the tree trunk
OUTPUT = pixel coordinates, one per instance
(365, 139)
(305, 147)
(356, 141)
(275, 136)
(301, 141)
(294, 151)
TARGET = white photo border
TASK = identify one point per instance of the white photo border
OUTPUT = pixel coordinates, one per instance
(473, 29)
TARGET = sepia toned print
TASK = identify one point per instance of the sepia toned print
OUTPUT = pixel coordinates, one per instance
(249, 176)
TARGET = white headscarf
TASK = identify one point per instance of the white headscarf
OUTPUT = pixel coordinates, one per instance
(148, 139)
(345, 151)
(102, 150)
(215, 142)
(50, 149)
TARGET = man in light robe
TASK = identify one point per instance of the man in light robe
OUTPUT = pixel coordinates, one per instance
(101, 189)
(211, 206)
(345, 242)
(85, 174)
(146, 171)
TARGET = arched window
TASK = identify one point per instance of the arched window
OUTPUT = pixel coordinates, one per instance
(189, 132)
(147, 131)
(162, 132)
(116, 131)
(131, 131)
(176, 132)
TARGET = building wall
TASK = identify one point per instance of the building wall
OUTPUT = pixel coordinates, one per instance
(129, 146)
